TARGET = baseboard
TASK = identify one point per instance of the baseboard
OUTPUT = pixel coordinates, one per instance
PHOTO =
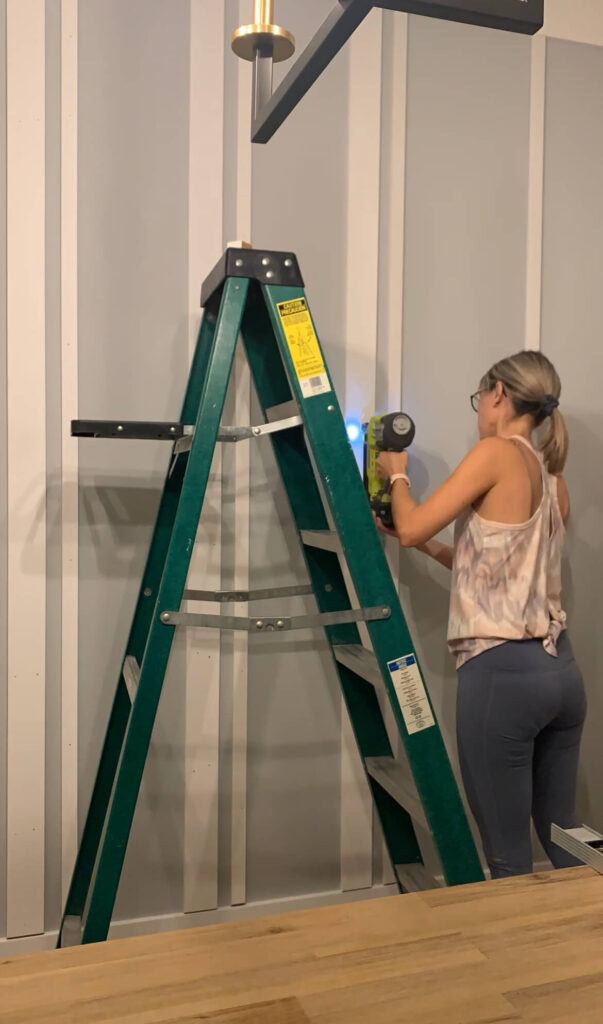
(223, 915)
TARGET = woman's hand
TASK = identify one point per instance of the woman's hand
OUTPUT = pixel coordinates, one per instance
(389, 463)
(383, 528)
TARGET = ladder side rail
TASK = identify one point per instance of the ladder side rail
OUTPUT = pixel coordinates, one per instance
(373, 583)
(145, 605)
(160, 637)
(324, 570)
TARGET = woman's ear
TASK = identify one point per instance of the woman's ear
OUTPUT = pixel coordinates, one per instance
(499, 392)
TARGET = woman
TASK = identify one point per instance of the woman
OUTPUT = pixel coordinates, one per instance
(521, 703)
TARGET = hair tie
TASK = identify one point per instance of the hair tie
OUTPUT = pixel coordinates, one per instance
(548, 404)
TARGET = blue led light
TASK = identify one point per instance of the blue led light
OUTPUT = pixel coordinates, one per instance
(353, 429)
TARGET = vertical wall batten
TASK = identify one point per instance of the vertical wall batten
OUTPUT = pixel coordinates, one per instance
(26, 436)
(69, 445)
(241, 485)
(3, 469)
(203, 646)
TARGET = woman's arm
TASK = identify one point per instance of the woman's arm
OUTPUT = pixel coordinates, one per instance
(442, 553)
(416, 524)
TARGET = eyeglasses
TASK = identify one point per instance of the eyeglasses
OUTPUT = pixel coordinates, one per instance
(474, 399)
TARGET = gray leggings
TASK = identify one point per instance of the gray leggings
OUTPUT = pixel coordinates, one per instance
(520, 714)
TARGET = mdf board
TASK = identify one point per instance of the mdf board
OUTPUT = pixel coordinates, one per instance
(202, 735)
(234, 510)
(3, 466)
(69, 446)
(517, 949)
(572, 314)
(57, 685)
(26, 464)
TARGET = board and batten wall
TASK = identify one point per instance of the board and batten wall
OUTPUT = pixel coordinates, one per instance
(440, 185)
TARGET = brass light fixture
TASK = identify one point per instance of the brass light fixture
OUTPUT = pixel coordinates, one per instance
(263, 37)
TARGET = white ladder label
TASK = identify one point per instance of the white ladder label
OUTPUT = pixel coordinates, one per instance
(411, 693)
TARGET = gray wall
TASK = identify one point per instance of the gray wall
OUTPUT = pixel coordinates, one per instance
(572, 307)
(132, 208)
(464, 284)
(294, 748)
(464, 238)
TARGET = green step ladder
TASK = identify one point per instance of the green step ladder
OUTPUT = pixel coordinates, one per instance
(259, 295)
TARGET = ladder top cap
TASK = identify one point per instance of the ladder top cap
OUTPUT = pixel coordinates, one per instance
(263, 265)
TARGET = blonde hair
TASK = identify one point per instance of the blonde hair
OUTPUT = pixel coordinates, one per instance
(532, 384)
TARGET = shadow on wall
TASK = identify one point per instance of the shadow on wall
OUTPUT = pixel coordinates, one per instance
(117, 515)
(128, 512)
(160, 804)
(583, 600)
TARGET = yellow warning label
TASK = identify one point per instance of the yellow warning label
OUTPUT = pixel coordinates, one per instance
(303, 346)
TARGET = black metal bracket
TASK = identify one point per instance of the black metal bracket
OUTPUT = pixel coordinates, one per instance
(181, 433)
(261, 265)
(132, 430)
(525, 16)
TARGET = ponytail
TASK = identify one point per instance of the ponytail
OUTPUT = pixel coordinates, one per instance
(555, 443)
(532, 384)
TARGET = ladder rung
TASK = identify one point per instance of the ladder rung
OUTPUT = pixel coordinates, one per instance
(245, 596)
(131, 672)
(282, 411)
(416, 878)
(359, 660)
(270, 624)
(328, 540)
(394, 778)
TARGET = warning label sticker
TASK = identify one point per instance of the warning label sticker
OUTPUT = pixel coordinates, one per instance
(411, 693)
(304, 347)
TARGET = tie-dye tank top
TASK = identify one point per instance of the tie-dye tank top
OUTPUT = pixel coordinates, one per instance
(506, 578)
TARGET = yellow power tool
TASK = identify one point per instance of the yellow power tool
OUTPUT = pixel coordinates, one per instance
(392, 432)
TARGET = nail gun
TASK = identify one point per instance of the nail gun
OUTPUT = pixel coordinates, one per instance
(392, 432)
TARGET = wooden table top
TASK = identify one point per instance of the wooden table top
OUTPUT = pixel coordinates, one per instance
(518, 949)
